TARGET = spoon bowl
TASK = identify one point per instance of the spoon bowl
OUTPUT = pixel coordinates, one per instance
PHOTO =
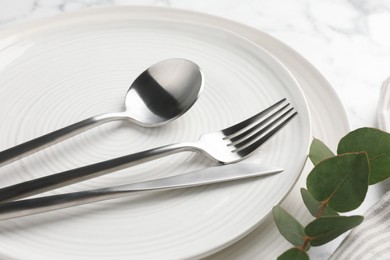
(162, 93)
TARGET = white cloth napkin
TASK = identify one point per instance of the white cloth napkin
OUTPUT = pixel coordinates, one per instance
(371, 239)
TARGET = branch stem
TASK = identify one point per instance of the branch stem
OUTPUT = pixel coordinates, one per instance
(307, 239)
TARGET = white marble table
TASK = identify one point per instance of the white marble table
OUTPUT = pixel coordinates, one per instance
(348, 41)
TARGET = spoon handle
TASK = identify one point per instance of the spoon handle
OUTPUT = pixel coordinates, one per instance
(54, 181)
(42, 142)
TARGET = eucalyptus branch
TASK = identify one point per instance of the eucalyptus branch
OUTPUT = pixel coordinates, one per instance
(337, 183)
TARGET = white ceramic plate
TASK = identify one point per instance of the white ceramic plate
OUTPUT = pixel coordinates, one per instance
(384, 106)
(60, 70)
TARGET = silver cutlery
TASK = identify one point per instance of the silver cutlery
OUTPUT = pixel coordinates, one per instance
(162, 93)
(206, 176)
(226, 146)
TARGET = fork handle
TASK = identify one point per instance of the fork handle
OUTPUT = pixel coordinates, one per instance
(42, 142)
(54, 181)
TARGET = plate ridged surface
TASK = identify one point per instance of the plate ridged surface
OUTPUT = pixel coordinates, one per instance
(55, 73)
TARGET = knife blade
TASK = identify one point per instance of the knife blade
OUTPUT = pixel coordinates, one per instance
(205, 176)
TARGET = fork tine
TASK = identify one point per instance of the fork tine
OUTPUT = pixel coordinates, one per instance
(247, 150)
(237, 127)
(253, 129)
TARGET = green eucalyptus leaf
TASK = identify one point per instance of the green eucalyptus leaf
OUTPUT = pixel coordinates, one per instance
(323, 230)
(314, 205)
(288, 226)
(340, 181)
(294, 254)
(377, 145)
(319, 151)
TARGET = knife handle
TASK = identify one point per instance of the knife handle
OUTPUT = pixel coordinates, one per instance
(206, 176)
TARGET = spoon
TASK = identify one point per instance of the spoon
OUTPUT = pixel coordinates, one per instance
(162, 93)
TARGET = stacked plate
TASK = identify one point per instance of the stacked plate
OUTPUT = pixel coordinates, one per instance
(57, 71)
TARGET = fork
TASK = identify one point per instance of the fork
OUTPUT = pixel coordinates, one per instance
(226, 146)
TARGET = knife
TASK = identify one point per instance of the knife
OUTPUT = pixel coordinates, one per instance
(205, 176)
